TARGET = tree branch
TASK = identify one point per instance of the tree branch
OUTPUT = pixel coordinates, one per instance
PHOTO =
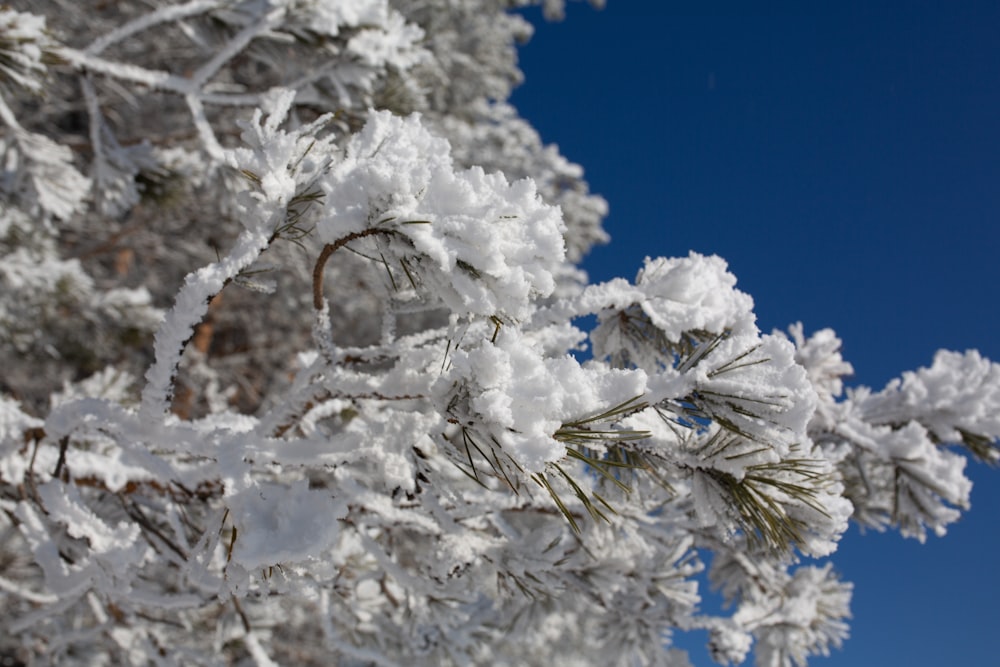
(331, 248)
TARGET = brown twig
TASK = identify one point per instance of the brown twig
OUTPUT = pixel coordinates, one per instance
(63, 446)
(134, 511)
(331, 248)
(243, 617)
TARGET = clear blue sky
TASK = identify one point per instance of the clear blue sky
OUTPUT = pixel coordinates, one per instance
(845, 159)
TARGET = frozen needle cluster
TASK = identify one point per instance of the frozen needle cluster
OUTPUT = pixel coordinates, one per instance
(290, 323)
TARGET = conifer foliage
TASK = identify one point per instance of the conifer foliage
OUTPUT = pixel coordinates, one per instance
(289, 323)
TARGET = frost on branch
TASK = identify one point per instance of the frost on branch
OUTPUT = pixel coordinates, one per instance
(674, 304)
(957, 400)
(734, 405)
(25, 49)
(37, 170)
(494, 137)
(691, 294)
(285, 183)
(791, 615)
(891, 446)
(390, 448)
(284, 167)
(53, 315)
(506, 394)
(825, 367)
(41, 172)
(481, 245)
(282, 524)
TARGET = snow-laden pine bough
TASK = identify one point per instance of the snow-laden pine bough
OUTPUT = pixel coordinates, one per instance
(451, 484)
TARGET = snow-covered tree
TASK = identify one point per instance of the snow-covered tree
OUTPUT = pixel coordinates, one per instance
(290, 323)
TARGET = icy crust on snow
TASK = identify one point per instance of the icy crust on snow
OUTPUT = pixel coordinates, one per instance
(480, 244)
(102, 460)
(383, 174)
(63, 503)
(509, 393)
(346, 482)
(807, 620)
(821, 512)
(887, 445)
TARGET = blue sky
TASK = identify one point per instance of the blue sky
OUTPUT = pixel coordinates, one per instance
(844, 158)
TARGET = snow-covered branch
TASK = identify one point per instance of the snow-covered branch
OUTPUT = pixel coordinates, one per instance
(369, 427)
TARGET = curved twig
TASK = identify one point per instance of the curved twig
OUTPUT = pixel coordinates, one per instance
(331, 248)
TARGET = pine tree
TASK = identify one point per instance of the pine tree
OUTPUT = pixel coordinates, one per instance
(289, 320)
